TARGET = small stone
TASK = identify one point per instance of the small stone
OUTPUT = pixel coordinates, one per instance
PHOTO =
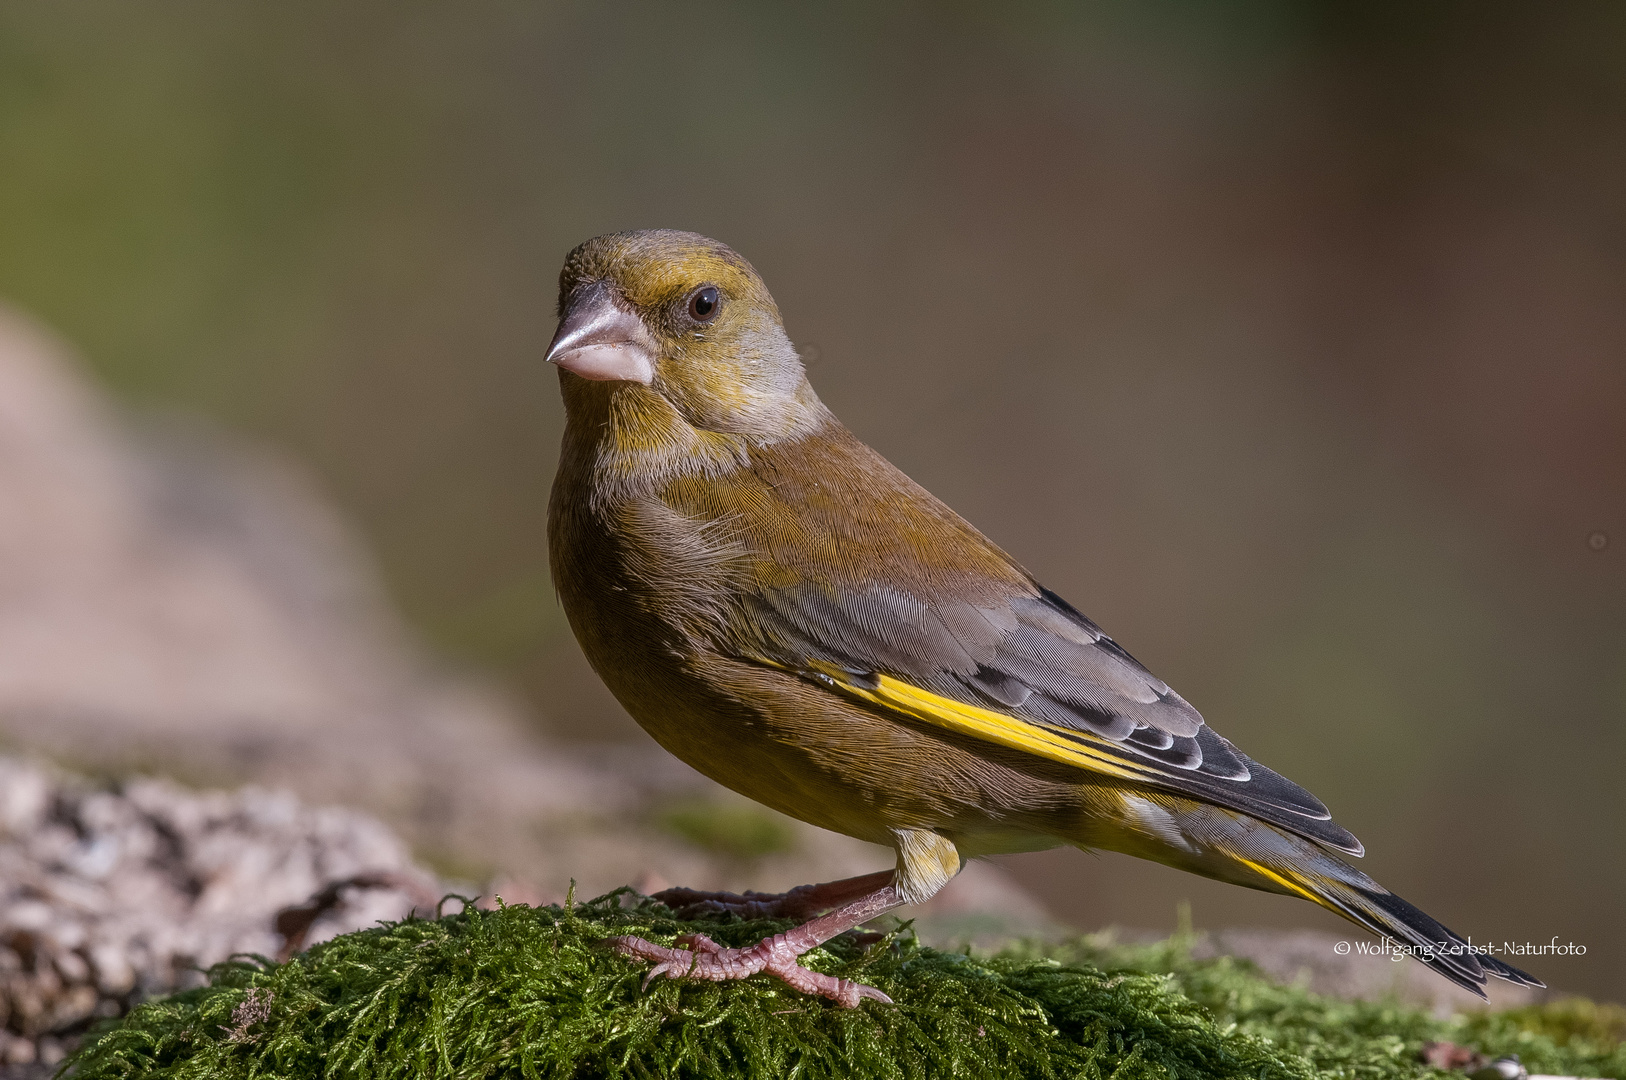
(50, 1051)
(17, 1050)
(25, 794)
(1503, 1068)
(74, 1004)
(72, 967)
(113, 971)
(30, 916)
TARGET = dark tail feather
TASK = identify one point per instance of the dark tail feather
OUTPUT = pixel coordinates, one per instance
(1264, 855)
(1387, 914)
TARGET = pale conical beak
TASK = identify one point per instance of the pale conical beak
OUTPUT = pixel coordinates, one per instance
(599, 339)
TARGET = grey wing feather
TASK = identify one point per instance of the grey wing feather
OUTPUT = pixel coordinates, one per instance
(1057, 667)
(1036, 657)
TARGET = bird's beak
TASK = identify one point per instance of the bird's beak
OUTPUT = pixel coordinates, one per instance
(599, 339)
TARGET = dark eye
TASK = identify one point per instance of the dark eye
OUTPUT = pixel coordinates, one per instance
(704, 302)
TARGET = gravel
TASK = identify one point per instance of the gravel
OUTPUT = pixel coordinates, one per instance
(113, 893)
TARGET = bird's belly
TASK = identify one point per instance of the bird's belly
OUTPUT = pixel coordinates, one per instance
(786, 760)
(802, 750)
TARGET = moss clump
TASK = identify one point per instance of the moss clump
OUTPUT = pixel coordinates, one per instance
(1363, 1039)
(528, 993)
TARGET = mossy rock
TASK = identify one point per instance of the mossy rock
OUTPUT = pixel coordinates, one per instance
(522, 992)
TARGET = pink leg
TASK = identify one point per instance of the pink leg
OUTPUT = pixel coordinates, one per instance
(698, 957)
(802, 902)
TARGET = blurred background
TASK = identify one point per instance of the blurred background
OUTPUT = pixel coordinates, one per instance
(1287, 339)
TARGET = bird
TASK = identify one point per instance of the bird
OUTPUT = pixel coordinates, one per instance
(790, 614)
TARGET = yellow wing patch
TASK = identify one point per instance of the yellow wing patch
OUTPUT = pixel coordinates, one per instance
(990, 726)
(1285, 882)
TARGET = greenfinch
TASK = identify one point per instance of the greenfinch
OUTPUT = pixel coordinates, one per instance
(786, 611)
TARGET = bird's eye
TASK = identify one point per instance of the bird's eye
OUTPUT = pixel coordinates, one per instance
(704, 302)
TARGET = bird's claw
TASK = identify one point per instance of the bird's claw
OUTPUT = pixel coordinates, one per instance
(675, 963)
(698, 943)
(843, 992)
(699, 957)
(675, 968)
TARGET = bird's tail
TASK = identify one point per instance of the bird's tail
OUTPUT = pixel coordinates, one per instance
(1364, 902)
(1235, 847)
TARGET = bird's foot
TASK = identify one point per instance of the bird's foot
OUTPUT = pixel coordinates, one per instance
(698, 957)
(798, 903)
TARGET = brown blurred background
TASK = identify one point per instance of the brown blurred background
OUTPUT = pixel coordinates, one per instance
(1286, 339)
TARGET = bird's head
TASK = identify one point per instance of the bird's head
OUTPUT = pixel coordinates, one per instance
(679, 316)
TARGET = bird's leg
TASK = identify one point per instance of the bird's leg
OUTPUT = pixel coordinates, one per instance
(926, 862)
(698, 957)
(799, 903)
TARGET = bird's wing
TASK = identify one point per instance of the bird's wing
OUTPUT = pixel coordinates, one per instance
(1037, 677)
(870, 586)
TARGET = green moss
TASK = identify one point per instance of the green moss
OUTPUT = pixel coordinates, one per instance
(528, 993)
(1571, 1020)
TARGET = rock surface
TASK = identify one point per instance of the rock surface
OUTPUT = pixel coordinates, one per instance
(111, 893)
